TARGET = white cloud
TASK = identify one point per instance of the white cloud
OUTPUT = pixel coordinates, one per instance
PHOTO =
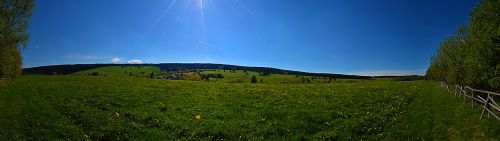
(116, 60)
(135, 62)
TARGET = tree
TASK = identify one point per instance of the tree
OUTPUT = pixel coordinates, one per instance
(472, 55)
(14, 16)
(455, 56)
(253, 79)
(483, 56)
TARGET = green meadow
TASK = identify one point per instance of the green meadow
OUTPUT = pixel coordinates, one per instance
(117, 71)
(142, 71)
(116, 106)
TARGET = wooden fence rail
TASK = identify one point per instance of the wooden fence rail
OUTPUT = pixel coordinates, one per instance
(484, 98)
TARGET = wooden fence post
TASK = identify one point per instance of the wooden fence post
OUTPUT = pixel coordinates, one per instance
(465, 94)
(484, 107)
(455, 91)
(472, 99)
(490, 105)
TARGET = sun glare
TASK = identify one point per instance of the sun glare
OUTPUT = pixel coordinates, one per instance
(199, 3)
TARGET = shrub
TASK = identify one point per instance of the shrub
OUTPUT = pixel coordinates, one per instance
(253, 79)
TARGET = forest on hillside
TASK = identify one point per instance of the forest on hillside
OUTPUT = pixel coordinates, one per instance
(471, 56)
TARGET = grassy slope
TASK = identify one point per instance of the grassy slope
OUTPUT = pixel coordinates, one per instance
(436, 114)
(239, 75)
(48, 107)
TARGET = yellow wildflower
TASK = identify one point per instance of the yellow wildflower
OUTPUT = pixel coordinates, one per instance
(117, 114)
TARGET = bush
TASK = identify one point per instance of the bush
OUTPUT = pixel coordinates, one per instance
(253, 79)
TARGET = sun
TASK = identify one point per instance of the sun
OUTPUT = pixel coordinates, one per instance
(195, 11)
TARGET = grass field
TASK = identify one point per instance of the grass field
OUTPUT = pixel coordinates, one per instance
(122, 71)
(129, 108)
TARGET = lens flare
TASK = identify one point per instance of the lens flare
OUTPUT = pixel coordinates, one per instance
(161, 16)
(202, 16)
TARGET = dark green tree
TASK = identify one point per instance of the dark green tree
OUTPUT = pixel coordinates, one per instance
(253, 79)
(482, 63)
(455, 56)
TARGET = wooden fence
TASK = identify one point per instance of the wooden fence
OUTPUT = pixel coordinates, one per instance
(484, 98)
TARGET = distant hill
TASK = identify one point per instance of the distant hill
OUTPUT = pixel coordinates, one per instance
(68, 69)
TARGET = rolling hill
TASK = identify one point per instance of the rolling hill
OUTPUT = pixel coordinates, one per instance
(69, 69)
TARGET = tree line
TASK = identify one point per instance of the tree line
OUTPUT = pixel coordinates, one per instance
(472, 55)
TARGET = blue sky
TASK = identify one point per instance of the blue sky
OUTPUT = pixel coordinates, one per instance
(367, 37)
